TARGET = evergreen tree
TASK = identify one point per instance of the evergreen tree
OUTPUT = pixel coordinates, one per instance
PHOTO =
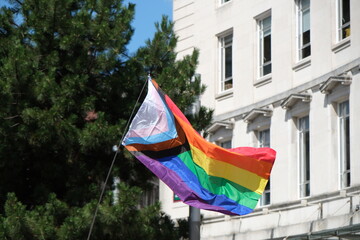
(59, 75)
(55, 220)
(67, 88)
(177, 77)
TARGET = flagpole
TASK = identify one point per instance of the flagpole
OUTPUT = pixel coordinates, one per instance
(194, 223)
(116, 148)
(194, 216)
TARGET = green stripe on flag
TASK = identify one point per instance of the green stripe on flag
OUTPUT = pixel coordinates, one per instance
(221, 186)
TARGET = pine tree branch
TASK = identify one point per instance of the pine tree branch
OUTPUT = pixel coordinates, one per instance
(11, 117)
(15, 125)
(19, 2)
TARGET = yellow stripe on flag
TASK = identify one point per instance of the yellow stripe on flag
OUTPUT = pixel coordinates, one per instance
(224, 170)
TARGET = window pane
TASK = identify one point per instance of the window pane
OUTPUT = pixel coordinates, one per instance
(345, 32)
(306, 21)
(306, 52)
(305, 4)
(307, 189)
(267, 69)
(344, 132)
(304, 156)
(344, 18)
(228, 84)
(267, 23)
(228, 40)
(265, 46)
(303, 17)
(228, 61)
(264, 138)
(226, 144)
(347, 142)
(307, 156)
(265, 199)
(346, 11)
(264, 141)
(305, 124)
(306, 37)
(344, 109)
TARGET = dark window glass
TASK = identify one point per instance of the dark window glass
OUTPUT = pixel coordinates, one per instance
(228, 61)
(344, 18)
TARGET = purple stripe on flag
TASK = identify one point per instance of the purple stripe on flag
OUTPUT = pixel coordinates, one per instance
(185, 192)
(175, 182)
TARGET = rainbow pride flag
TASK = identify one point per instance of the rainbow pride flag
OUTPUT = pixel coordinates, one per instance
(201, 174)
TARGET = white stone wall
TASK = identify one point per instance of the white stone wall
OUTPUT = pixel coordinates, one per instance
(198, 24)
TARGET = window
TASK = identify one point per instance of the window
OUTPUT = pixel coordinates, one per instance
(264, 141)
(304, 156)
(264, 26)
(264, 138)
(303, 29)
(226, 144)
(151, 195)
(344, 132)
(343, 13)
(226, 81)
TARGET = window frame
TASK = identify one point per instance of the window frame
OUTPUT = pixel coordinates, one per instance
(265, 198)
(262, 63)
(223, 143)
(340, 26)
(223, 46)
(300, 46)
(344, 144)
(304, 156)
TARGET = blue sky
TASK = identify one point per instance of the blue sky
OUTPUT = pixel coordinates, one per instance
(147, 12)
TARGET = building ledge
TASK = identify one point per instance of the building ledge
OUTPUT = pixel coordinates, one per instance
(302, 64)
(224, 95)
(337, 47)
(344, 232)
(288, 102)
(333, 81)
(254, 113)
(219, 124)
(263, 80)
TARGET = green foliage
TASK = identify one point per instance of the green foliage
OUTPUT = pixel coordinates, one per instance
(62, 105)
(67, 88)
(55, 220)
(177, 77)
(174, 76)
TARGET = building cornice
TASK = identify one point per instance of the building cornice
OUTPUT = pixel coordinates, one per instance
(254, 113)
(220, 124)
(333, 81)
(290, 101)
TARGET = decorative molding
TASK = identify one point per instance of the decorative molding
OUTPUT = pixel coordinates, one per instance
(221, 124)
(263, 80)
(288, 102)
(224, 95)
(302, 64)
(333, 81)
(337, 47)
(254, 113)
